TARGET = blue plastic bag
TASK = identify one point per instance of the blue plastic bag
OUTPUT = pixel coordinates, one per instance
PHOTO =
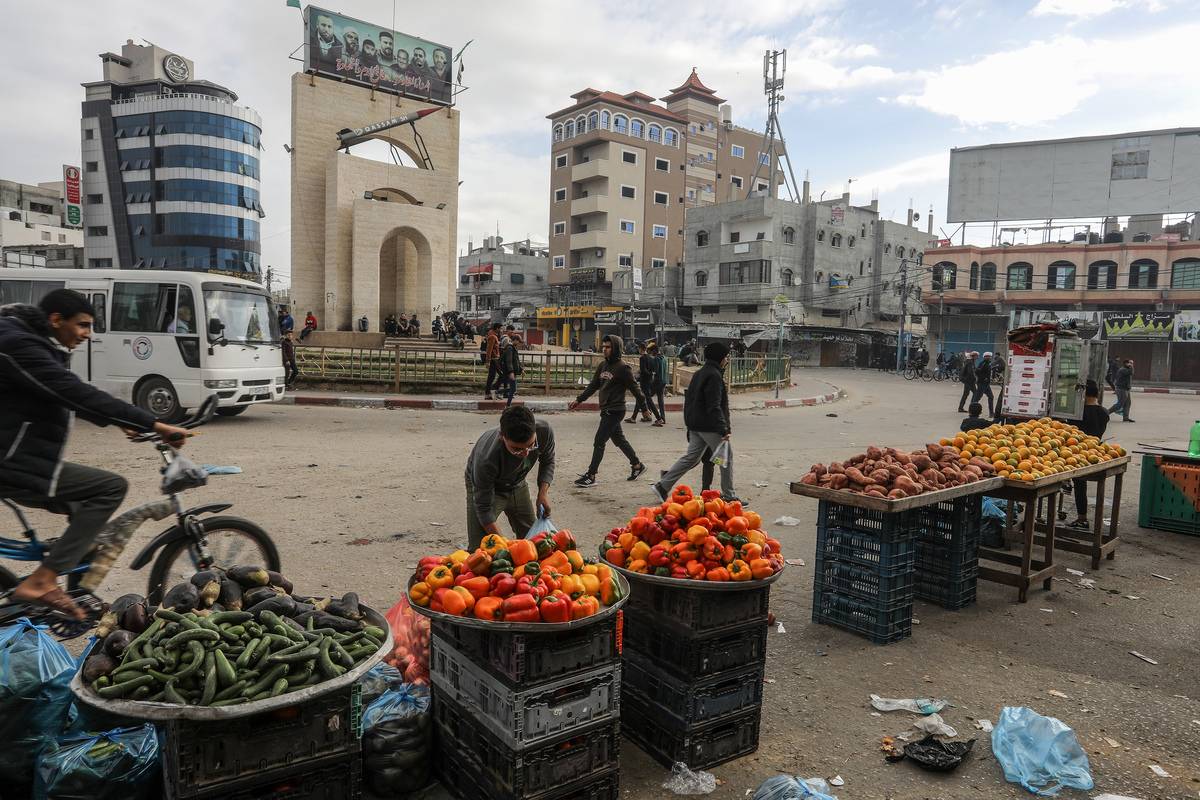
(35, 693)
(785, 787)
(379, 679)
(397, 739)
(82, 718)
(121, 764)
(542, 525)
(1040, 753)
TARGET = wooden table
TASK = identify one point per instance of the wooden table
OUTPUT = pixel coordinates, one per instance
(1049, 488)
(904, 504)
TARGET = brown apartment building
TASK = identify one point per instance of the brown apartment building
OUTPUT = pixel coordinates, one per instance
(623, 169)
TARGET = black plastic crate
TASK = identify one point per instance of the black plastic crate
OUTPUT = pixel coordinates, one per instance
(528, 771)
(865, 583)
(698, 746)
(693, 657)
(531, 714)
(886, 525)
(334, 778)
(949, 522)
(951, 588)
(949, 559)
(887, 558)
(203, 756)
(881, 626)
(694, 702)
(696, 611)
(457, 775)
(522, 659)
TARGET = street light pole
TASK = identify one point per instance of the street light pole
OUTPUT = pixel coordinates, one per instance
(903, 306)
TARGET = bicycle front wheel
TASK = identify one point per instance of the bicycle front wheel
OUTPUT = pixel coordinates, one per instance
(229, 541)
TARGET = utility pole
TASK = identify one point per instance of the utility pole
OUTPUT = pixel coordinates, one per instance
(773, 145)
(270, 276)
(903, 306)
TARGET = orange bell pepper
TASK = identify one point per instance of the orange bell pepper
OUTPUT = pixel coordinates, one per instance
(479, 563)
(638, 525)
(712, 549)
(440, 578)
(739, 571)
(610, 591)
(750, 551)
(489, 608)
(615, 555)
(717, 574)
(736, 526)
(756, 536)
(522, 551)
(468, 598)
(626, 541)
(570, 585)
(693, 509)
(684, 552)
(733, 509)
(575, 558)
(584, 607)
(697, 534)
(589, 584)
(728, 554)
(682, 493)
(589, 569)
(420, 593)
(492, 543)
(557, 561)
(753, 519)
(449, 601)
(760, 568)
(603, 572)
(695, 570)
(639, 551)
(714, 506)
(479, 586)
(638, 565)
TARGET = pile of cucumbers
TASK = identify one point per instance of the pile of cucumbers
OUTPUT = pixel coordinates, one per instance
(186, 653)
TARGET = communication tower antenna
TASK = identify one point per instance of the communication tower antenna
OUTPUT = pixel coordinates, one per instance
(774, 145)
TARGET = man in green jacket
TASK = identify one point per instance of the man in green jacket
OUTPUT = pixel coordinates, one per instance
(612, 379)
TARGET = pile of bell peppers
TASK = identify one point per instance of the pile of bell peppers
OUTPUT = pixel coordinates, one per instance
(543, 579)
(695, 538)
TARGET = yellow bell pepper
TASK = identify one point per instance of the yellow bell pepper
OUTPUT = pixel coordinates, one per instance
(420, 594)
(639, 551)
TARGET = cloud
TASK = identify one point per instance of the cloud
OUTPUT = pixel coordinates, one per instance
(1076, 8)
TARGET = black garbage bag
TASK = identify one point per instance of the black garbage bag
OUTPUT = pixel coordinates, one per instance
(35, 693)
(397, 738)
(938, 756)
(120, 764)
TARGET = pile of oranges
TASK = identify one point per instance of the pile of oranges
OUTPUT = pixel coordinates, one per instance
(1034, 449)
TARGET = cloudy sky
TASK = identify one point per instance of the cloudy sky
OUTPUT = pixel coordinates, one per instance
(877, 92)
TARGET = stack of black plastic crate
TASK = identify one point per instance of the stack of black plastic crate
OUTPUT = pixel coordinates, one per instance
(694, 662)
(311, 749)
(527, 716)
(946, 569)
(863, 578)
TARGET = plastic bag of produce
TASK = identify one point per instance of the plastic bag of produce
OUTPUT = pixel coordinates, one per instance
(397, 736)
(378, 680)
(121, 764)
(542, 525)
(82, 718)
(410, 634)
(35, 693)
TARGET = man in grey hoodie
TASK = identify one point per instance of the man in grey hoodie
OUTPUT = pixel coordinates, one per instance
(613, 378)
(496, 471)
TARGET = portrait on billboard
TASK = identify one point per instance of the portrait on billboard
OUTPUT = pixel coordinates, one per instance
(352, 50)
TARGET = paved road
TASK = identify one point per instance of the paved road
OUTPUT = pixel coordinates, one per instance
(354, 497)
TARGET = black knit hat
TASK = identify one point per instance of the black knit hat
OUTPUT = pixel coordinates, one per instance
(715, 351)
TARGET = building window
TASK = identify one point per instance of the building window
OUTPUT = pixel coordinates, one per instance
(627, 226)
(734, 273)
(658, 264)
(835, 240)
(863, 232)
(900, 252)
(850, 241)
(701, 278)
(629, 157)
(987, 277)
(821, 235)
(789, 235)
(701, 238)
(1185, 274)
(654, 133)
(1143, 274)
(1020, 276)
(558, 133)
(95, 199)
(748, 308)
(625, 260)
(637, 129)
(560, 262)
(787, 277)
(1061, 275)
(560, 228)
(569, 129)
(605, 119)
(464, 303)
(560, 161)
(764, 159)
(99, 263)
(945, 276)
(62, 238)
(92, 166)
(735, 237)
(1102, 275)
(659, 231)
(89, 133)
(45, 236)
(737, 151)
(661, 198)
(671, 137)
(691, 194)
(621, 123)
(628, 192)
(593, 120)
(97, 230)
(974, 275)
(887, 248)
(662, 165)
(560, 195)
(736, 181)
(1130, 164)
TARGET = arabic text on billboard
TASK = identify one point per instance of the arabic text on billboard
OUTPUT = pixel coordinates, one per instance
(369, 55)
(1139, 325)
(72, 195)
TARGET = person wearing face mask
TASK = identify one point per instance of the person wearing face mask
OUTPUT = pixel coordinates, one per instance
(612, 379)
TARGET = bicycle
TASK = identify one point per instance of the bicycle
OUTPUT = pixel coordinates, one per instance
(191, 545)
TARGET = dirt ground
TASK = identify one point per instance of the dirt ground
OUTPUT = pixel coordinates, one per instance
(354, 496)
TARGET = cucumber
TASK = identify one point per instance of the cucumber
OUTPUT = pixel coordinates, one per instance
(141, 693)
(231, 691)
(324, 663)
(197, 634)
(341, 656)
(119, 690)
(140, 663)
(210, 686)
(243, 660)
(233, 701)
(161, 677)
(279, 687)
(300, 678)
(376, 633)
(175, 617)
(173, 696)
(225, 674)
(267, 681)
(234, 617)
(196, 650)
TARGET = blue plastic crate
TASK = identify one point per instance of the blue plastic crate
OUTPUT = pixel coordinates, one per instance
(880, 625)
(865, 583)
(884, 525)
(888, 558)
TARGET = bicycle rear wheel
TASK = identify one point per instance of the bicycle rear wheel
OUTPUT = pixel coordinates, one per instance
(228, 540)
(926, 374)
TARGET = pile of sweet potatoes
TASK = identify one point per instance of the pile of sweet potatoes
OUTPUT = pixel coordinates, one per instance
(891, 474)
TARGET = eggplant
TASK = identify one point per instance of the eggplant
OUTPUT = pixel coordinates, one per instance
(116, 643)
(209, 592)
(135, 619)
(231, 595)
(96, 665)
(249, 577)
(252, 597)
(294, 624)
(283, 605)
(275, 579)
(340, 624)
(202, 578)
(182, 597)
(122, 603)
(347, 607)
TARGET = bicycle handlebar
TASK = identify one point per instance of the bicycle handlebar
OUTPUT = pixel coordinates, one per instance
(202, 415)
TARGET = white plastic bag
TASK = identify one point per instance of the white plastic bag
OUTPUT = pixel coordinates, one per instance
(922, 705)
(935, 725)
(685, 781)
(720, 456)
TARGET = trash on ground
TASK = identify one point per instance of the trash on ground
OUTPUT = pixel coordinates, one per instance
(684, 781)
(787, 522)
(779, 628)
(1159, 771)
(761, 484)
(936, 755)
(1132, 597)
(794, 562)
(1047, 610)
(1076, 572)
(1057, 693)
(921, 705)
(1114, 797)
(1087, 583)
(837, 780)
(1040, 753)
(1111, 742)
(1161, 577)
(984, 725)
(214, 469)
(1147, 659)
(934, 725)
(438, 524)
(891, 752)
(785, 787)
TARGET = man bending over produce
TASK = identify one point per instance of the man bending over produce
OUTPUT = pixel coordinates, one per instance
(496, 471)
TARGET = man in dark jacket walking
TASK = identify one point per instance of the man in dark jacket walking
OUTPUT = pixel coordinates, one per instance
(967, 376)
(1123, 384)
(983, 383)
(41, 396)
(706, 415)
(647, 371)
(613, 378)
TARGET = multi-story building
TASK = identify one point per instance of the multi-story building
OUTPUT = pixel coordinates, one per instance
(974, 294)
(33, 228)
(170, 168)
(623, 170)
(500, 280)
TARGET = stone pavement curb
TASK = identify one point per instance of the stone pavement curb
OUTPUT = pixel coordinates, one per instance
(436, 404)
(1164, 390)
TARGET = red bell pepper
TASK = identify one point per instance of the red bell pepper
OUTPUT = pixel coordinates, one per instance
(710, 494)
(544, 544)
(502, 585)
(670, 523)
(550, 580)
(427, 565)
(565, 540)
(478, 586)
(659, 556)
(463, 577)
(554, 608)
(528, 584)
(521, 608)
(679, 571)
(712, 549)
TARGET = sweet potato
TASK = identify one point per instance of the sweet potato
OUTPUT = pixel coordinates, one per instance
(858, 459)
(874, 491)
(922, 462)
(874, 453)
(836, 467)
(819, 469)
(902, 458)
(838, 481)
(881, 477)
(984, 465)
(825, 480)
(934, 450)
(932, 475)
(907, 485)
(809, 479)
(896, 494)
(856, 476)
(895, 470)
